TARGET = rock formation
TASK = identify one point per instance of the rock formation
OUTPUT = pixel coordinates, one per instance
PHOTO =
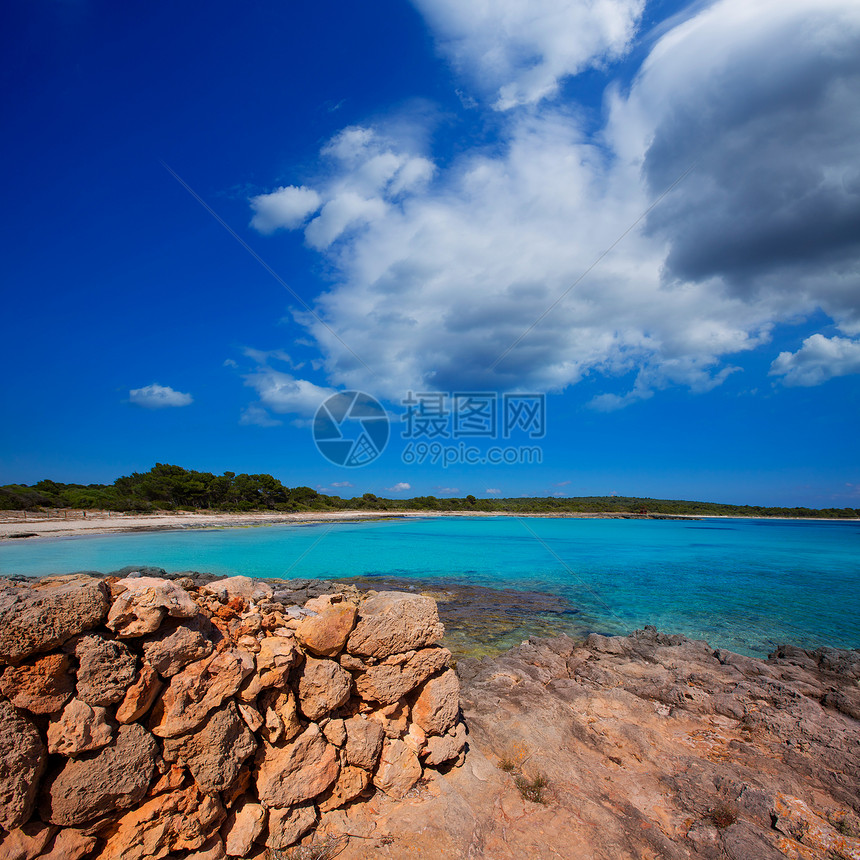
(142, 717)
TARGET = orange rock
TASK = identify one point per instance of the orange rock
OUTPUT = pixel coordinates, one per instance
(325, 633)
(41, 686)
(399, 769)
(323, 686)
(140, 696)
(437, 705)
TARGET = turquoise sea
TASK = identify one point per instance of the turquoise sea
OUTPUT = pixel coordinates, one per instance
(746, 585)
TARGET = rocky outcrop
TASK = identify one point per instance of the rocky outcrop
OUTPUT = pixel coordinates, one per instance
(142, 717)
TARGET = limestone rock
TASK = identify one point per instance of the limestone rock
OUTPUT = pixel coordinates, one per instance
(296, 772)
(196, 690)
(114, 778)
(287, 826)
(211, 849)
(394, 719)
(22, 761)
(351, 782)
(45, 615)
(437, 705)
(335, 732)
(244, 824)
(215, 752)
(78, 729)
(399, 769)
(393, 622)
(363, 742)
(281, 719)
(180, 821)
(41, 686)
(442, 748)
(70, 844)
(252, 717)
(173, 647)
(276, 656)
(238, 586)
(390, 681)
(140, 696)
(323, 686)
(325, 633)
(145, 602)
(106, 670)
(27, 842)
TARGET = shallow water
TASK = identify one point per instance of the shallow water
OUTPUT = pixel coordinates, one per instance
(746, 585)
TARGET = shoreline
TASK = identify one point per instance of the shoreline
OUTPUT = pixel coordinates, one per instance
(102, 523)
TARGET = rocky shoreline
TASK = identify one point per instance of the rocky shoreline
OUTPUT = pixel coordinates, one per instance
(145, 716)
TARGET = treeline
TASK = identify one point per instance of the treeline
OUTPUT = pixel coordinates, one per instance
(167, 488)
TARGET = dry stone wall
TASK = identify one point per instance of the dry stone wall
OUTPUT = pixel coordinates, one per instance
(144, 717)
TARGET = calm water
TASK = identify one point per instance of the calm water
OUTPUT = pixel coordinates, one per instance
(741, 584)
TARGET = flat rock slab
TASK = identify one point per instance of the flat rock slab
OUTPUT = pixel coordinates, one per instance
(393, 622)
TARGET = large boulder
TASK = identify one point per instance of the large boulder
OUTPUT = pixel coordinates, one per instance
(22, 761)
(40, 617)
(393, 622)
(399, 769)
(215, 752)
(144, 603)
(42, 685)
(172, 647)
(436, 707)
(392, 679)
(114, 778)
(178, 821)
(106, 670)
(363, 742)
(298, 771)
(325, 632)
(323, 687)
(238, 586)
(78, 729)
(196, 690)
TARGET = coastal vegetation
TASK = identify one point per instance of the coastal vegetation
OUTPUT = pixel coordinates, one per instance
(167, 488)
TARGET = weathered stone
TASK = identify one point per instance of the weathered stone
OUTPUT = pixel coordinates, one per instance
(238, 586)
(174, 646)
(335, 732)
(78, 729)
(437, 705)
(252, 717)
(415, 738)
(22, 761)
(181, 821)
(195, 691)
(244, 824)
(394, 719)
(287, 826)
(106, 670)
(442, 748)
(363, 742)
(388, 682)
(296, 772)
(114, 778)
(215, 752)
(27, 842)
(41, 686)
(325, 633)
(393, 622)
(275, 657)
(70, 844)
(281, 719)
(140, 696)
(171, 780)
(141, 608)
(351, 781)
(40, 617)
(399, 769)
(211, 849)
(323, 686)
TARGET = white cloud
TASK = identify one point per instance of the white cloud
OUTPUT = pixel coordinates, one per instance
(819, 358)
(157, 396)
(284, 394)
(517, 51)
(255, 415)
(447, 490)
(437, 279)
(285, 208)
(400, 487)
(493, 492)
(341, 484)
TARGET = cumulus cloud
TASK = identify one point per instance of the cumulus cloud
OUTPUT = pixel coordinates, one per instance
(440, 270)
(400, 487)
(517, 51)
(493, 491)
(157, 396)
(285, 394)
(256, 415)
(342, 484)
(818, 359)
(286, 208)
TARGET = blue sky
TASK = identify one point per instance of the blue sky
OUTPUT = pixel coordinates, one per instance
(217, 215)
